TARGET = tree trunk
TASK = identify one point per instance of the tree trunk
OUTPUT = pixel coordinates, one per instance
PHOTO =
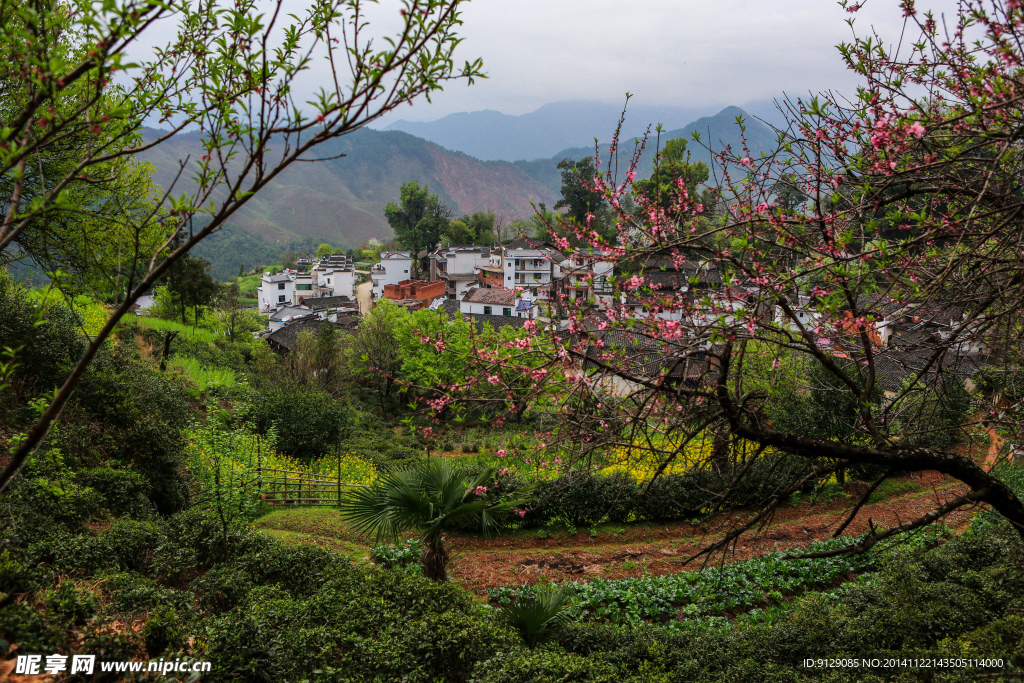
(434, 558)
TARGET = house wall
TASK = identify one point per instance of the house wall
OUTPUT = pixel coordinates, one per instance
(495, 309)
(269, 294)
(390, 271)
(339, 282)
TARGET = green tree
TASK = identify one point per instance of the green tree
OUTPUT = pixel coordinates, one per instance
(434, 498)
(191, 285)
(673, 174)
(578, 194)
(324, 250)
(458, 232)
(482, 225)
(419, 220)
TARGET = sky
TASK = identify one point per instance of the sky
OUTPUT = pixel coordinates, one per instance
(685, 53)
(692, 54)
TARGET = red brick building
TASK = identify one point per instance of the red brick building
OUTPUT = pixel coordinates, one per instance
(420, 291)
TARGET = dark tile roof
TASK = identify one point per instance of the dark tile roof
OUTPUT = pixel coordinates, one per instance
(642, 356)
(286, 339)
(288, 311)
(499, 297)
(319, 302)
(451, 307)
(893, 367)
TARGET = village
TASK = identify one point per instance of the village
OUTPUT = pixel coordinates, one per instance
(529, 279)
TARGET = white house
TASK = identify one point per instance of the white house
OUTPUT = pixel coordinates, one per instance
(335, 275)
(276, 290)
(393, 268)
(584, 274)
(458, 266)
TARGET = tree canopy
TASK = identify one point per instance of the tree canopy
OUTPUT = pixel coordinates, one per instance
(228, 72)
(418, 219)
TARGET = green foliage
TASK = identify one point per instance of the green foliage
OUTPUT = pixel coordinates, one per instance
(190, 285)
(581, 499)
(672, 166)
(581, 201)
(432, 498)
(418, 219)
(403, 556)
(144, 414)
(202, 377)
(932, 417)
(730, 589)
(308, 423)
(71, 605)
(42, 342)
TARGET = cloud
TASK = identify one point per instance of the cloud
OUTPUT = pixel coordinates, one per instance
(682, 53)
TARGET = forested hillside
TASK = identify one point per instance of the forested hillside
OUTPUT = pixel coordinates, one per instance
(340, 200)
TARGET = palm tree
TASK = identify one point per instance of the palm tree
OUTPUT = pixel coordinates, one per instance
(432, 498)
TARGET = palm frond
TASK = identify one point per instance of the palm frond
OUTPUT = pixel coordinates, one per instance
(536, 617)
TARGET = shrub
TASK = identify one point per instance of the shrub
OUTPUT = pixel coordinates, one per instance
(125, 492)
(70, 605)
(162, 630)
(143, 414)
(308, 423)
(45, 352)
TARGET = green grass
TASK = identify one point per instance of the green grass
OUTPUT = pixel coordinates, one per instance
(198, 333)
(311, 525)
(202, 377)
(247, 285)
(894, 487)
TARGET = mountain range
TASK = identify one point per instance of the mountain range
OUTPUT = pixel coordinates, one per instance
(340, 200)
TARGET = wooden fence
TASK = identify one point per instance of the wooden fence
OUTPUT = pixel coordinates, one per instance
(288, 487)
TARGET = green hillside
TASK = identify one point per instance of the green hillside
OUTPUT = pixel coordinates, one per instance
(340, 200)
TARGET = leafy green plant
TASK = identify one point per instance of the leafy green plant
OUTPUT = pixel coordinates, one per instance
(402, 556)
(727, 590)
(537, 615)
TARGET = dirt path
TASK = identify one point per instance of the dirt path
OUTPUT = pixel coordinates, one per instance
(995, 442)
(363, 293)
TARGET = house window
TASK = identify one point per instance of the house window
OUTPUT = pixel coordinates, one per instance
(487, 310)
(509, 277)
(405, 271)
(280, 285)
(303, 288)
(506, 311)
(280, 299)
(328, 280)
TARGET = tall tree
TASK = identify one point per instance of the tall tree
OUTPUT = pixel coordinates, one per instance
(418, 219)
(190, 283)
(904, 262)
(585, 202)
(674, 179)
